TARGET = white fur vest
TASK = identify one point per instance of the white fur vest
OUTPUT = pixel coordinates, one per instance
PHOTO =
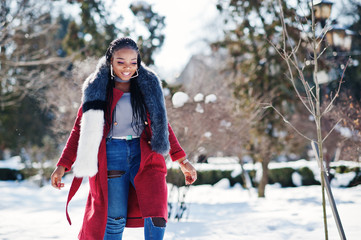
(94, 105)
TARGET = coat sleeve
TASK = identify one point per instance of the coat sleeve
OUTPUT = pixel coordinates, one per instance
(176, 151)
(69, 153)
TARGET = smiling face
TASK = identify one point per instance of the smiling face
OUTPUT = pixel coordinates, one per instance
(124, 62)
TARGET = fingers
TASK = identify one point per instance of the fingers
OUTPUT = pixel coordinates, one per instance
(60, 185)
(191, 178)
(56, 182)
(56, 178)
(190, 174)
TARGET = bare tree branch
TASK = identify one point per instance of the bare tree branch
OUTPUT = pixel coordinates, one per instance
(328, 108)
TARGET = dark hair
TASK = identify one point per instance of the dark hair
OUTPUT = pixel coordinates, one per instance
(136, 97)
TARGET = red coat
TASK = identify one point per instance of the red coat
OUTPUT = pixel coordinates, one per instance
(150, 197)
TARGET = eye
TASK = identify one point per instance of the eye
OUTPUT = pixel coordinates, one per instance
(120, 62)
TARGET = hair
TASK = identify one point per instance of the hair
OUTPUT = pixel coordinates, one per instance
(136, 97)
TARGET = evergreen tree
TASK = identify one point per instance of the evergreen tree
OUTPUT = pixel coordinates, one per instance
(154, 24)
(29, 64)
(96, 30)
(93, 34)
(253, 29)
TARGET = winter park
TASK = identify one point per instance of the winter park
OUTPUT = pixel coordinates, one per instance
(207, 119)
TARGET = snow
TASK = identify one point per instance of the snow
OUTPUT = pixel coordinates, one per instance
(214, 212)
(222, 184)
(198, 97)
(199, 108)
(346, 132)
(237, 171)
(297, 179)
(12, 163)
(207, 134)
(211, 98)
(179, 99)
(342, 180)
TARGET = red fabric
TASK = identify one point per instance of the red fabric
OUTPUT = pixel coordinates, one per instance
(148, 200)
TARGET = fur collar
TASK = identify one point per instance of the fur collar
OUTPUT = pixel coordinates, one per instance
(94, 103)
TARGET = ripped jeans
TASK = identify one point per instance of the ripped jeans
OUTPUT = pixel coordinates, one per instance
(123, 159)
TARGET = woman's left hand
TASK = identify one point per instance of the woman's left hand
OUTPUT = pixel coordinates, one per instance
(190, 173)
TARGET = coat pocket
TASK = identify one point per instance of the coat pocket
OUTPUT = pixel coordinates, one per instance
(158, 162)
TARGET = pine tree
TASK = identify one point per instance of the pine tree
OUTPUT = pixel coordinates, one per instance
(154, 24)
(29, 64)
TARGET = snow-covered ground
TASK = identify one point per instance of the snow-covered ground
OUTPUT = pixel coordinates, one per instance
(28, 212)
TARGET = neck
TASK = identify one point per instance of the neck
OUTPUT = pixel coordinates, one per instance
(117, 79)
(124, 87)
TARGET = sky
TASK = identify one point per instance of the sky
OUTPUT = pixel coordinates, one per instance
(187, 24)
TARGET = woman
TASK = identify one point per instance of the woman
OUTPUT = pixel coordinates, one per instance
(118, 140)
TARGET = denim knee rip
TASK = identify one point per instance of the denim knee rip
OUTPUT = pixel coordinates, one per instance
(115, 225)
(158, 222)
(115, 173)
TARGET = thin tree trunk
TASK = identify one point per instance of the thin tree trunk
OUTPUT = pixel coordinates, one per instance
(318, 116)
(264, 180)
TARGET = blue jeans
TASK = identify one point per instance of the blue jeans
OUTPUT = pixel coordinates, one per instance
(123, 159)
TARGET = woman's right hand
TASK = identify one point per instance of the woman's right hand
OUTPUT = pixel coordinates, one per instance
(56, 177)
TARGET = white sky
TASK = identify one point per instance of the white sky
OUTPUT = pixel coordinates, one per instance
(188, 22)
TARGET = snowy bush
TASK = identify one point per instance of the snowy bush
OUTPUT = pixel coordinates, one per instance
(199, 97)
(291, 174)
(175, 177)
(282, 176)
(7, 174)
(343, 180)
(211, 98)
(297, 179)
(223, 184)
(179, 99)
(308, 178)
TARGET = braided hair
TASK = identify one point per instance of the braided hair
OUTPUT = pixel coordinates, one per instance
(136, 97)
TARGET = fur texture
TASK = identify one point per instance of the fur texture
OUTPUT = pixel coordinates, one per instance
(91, 133)
(95, 86)
(151, 88)
(92, 124)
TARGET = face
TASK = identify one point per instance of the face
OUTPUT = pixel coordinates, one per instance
(124, 62)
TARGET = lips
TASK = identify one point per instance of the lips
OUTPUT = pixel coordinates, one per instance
(126, 73)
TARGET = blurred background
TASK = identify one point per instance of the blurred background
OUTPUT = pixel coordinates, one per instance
(218, 62)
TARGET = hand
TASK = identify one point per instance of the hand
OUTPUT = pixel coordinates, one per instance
(56, 177)
(190, 173)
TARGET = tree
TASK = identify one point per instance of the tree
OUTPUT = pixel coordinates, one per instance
(251, 27)
(93, 34)
(28, 60)
(154, 24)
(311, 99)
(211, 122)
(98, 28)
(29, 64)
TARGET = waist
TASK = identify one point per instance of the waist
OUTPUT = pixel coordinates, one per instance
(128, 137)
